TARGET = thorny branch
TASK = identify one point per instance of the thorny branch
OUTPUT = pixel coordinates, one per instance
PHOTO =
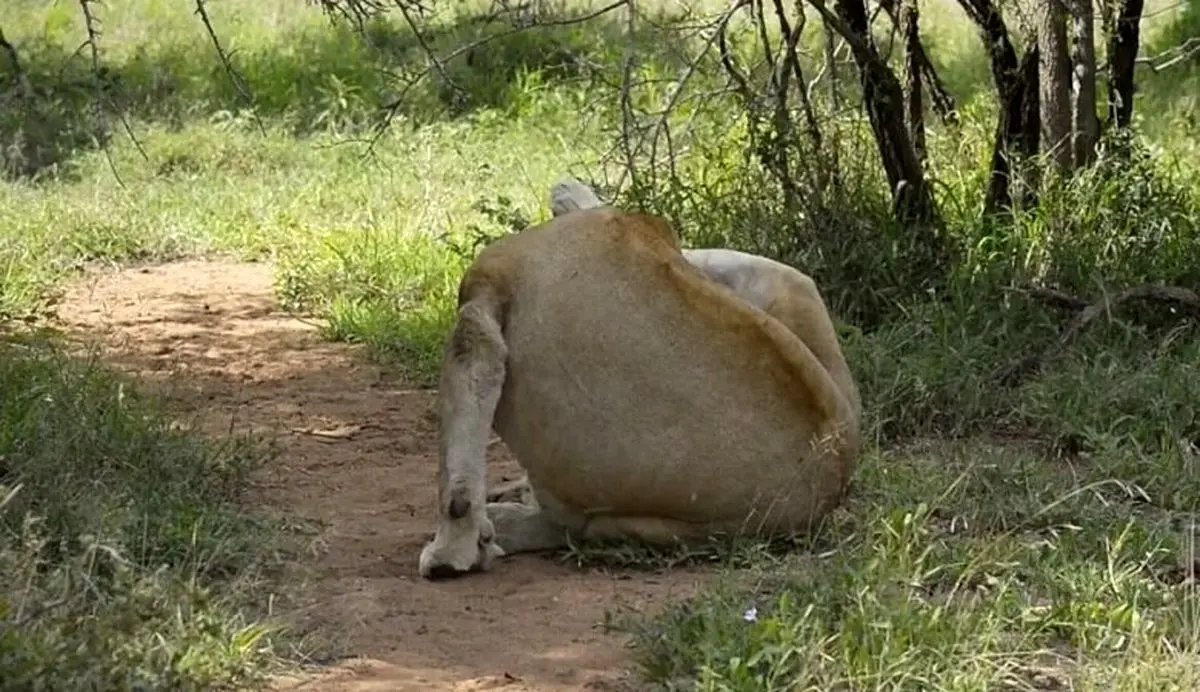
(239, 84)
(92, 26)
(438, 63)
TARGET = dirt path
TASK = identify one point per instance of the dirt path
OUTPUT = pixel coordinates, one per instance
(530, 624)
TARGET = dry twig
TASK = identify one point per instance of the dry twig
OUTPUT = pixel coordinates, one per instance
(438, 63)
(239, 83)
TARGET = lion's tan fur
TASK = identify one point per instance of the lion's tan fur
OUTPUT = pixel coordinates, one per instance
(648, 396)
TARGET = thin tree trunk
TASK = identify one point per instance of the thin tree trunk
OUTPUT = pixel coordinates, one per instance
(1055, 83)
(914, 108)
(1085, 124)
(940, 99)
(1018, 122)
(884, 100)
(1123, 44)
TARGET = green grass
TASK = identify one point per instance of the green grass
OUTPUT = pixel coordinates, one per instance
(126, 560)
(1028, 536)
(962, 566)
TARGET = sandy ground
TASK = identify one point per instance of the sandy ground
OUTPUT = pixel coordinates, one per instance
(359, 453)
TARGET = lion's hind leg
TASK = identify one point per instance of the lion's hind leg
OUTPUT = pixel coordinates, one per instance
(525, 528)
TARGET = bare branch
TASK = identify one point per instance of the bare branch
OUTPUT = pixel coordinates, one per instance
(92, 27)
(1173, 56)
(911, 197)
(436, 63)
(239, 84)
(739, 79)
(690, 71)
(941, 99)
(429, 53)
(356, 12)
(862, 50)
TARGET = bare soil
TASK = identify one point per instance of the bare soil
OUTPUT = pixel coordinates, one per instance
(359, 453)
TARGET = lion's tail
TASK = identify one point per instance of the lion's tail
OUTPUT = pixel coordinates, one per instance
(569, 194)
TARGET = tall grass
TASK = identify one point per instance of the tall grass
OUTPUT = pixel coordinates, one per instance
(1043, 541)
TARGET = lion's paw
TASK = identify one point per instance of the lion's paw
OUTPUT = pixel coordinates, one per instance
(460, 547)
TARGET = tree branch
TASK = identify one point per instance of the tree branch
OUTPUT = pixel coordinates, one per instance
(438, 64)
(92, 26)
(19, 78)
(239, 83)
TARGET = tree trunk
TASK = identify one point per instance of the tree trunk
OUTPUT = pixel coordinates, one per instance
(1123, 44)
(1085, 124)
(941, 100)
(914, 108)
(1018, 122)
(884, 101)
(1055, 83)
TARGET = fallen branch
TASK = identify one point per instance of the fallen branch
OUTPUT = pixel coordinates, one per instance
(1173, 56)
(1016, 373)
(1053, 297)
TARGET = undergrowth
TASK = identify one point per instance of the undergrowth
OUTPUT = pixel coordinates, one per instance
(125, 560)
(1040, 539)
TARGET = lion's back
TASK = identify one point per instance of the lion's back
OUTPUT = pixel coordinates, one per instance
(624, 361)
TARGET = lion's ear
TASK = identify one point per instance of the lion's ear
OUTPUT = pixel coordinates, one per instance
(569, 194)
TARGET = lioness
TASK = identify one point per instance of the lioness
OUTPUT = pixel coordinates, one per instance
(649, 395)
